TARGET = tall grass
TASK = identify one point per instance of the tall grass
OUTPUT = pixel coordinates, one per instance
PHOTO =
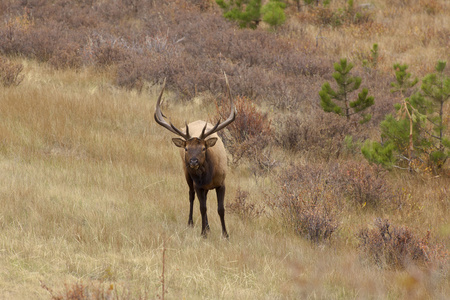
(91, 189)
(92, 192)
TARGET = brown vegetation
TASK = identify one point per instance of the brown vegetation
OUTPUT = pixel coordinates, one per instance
(90, 193)
(397, 247)
(10, 73)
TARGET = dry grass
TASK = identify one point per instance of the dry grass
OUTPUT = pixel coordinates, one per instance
(92, 193)
(406, 31)
(91, 189)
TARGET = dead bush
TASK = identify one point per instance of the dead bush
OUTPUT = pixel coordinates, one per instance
(352, 186)
(349, 14)
(153, 59)
(92, 291)
(132, 73)
(104, 49)
(366, 186)
(14, 34)
(306, 213)
(184, 41)
(67, 56)
(306, 203)
(10, 73)
(243, 208)
(290, 131)
(391, 246)
(39, 41)
(318, 133)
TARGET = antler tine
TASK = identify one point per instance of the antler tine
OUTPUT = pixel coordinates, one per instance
(219, 126)
(159, 118)
(187, 131)
(212, 130)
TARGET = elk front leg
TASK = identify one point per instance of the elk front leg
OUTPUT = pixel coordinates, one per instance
(191, 199)
(207, 223)
(201, 194)
(191, 207)
(220, 191)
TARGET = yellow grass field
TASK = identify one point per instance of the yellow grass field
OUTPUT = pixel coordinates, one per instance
(93, 200)
(92, 191)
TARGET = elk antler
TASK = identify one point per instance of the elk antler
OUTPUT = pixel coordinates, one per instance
(159, 118)
(219, 126)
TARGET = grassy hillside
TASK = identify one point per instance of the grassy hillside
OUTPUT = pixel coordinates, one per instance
(93, 200)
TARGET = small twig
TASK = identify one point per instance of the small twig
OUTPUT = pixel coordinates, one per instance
(319, 36)
(163, 267)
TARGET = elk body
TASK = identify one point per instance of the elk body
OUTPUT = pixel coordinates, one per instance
(204, 160)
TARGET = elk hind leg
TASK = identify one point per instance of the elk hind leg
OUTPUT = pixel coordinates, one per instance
(220, 191)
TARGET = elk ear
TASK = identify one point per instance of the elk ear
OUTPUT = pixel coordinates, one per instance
(179, 142)
(211, 142)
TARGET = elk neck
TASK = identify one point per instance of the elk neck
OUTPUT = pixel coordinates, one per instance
(203, 175)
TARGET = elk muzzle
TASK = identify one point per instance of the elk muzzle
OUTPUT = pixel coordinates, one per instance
(193, 163)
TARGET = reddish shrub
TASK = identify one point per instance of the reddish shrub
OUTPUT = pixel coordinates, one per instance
(243, 208)
(307, 203)
(104, 49)
(183, 41)
(366, 185)
(14, 34)
(67, 56)
(249, 134)
(345, 185)
(395, 247)
(10, 73)
(306, 212)
(319, 133)
(131, 73)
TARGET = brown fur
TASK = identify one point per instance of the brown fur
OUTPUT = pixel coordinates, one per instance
(216, 154)
(207, 173)
(204, 160)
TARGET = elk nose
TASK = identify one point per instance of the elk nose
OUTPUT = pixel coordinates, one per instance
(193, 162)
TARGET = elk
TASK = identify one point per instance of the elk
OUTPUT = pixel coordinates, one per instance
(204, 160)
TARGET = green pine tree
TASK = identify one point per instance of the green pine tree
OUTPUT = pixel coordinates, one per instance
(403, 82)
(372, 61)
(249, 13)
(273, 13)
(339, 101)
(417, 129)
(436, 89)
(397, 133)
(246, 12)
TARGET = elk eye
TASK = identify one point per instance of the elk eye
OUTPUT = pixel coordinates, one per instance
(185, 149)
(204, 149)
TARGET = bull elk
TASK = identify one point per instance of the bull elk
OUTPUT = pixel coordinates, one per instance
(204, 160)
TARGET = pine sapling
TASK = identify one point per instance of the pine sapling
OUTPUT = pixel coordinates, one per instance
(372, 61)
(339, 101)
(249, 13)
(418, 127)
(436, 88)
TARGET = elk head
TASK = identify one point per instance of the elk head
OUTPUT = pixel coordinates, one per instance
(195, 147)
